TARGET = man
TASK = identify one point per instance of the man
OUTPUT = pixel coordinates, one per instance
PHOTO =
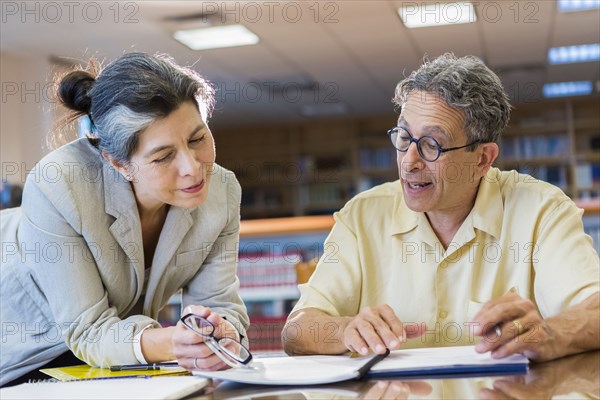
(455, 252)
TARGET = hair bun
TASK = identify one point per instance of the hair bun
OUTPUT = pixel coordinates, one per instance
(73, 90)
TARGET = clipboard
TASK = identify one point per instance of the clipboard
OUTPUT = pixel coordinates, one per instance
(447, 361)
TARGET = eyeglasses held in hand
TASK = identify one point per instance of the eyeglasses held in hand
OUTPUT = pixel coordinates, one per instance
(429, 149)
(232, 352)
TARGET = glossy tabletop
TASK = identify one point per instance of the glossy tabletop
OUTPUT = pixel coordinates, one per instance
(574, 377)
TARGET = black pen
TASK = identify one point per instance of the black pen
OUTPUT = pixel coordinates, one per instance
(143, 367)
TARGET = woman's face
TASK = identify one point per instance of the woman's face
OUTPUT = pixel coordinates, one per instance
(173, 161)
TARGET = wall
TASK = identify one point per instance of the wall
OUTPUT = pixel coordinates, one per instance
(25, 114)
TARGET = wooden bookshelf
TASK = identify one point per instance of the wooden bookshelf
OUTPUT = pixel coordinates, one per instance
(316, 167)
(557, 141)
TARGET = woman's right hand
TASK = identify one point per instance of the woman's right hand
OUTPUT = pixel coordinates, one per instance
(189, 348)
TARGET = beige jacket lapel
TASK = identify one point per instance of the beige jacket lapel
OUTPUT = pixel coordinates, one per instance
(178, 223)
(119, 201)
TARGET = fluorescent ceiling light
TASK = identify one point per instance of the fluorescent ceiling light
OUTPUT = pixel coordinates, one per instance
(562, 89)
(216, 37)
(574, 54)
(418, 15)
(577, 5)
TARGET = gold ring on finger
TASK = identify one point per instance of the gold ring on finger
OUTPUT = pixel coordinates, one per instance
(518, 325)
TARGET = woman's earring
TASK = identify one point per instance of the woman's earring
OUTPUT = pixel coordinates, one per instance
(128, 177)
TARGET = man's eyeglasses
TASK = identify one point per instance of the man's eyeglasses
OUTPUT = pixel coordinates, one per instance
(232, 352)
(429, 149)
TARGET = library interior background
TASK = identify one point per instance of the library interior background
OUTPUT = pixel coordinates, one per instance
(304, 103)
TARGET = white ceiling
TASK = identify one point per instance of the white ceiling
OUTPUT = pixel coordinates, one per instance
(355, 50)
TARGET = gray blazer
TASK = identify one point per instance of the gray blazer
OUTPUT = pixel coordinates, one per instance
(72, 272)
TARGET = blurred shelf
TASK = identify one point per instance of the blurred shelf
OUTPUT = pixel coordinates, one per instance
(547, 128)
(590, 206)
(381, 172)
(282, 226)
(323, 205)
(535, 161)
(269, 293)
(589, 156)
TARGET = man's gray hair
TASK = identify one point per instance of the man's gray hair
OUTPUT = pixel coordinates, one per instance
(465, 84)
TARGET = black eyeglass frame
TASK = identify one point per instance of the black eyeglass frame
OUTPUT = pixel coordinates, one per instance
(418, 141)
(216, 347)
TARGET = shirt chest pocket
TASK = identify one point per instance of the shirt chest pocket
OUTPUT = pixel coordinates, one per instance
(474, 306)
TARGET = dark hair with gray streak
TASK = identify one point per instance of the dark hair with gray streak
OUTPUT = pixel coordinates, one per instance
(465, 84)
(128, 95)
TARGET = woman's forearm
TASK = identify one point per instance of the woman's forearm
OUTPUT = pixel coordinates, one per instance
(157, 344)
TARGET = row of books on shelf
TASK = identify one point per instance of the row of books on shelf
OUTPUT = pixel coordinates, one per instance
(308, 164)
(520, 147)
(324, 192)
(587, 175)
(366, 183)
(264, 333)
(377, 158)
(268, 270)
(266, 198)
(554, 174)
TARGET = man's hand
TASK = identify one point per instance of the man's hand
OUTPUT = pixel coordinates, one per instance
(312, 331)
(377, 328)
(522, 329)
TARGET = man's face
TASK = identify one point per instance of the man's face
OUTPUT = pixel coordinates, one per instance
(448, 184)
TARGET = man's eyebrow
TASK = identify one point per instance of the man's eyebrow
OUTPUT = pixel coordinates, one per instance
(169, 146)
(427, 130)
(435, 129)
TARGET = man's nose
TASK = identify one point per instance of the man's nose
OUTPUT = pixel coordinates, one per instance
(412, 160)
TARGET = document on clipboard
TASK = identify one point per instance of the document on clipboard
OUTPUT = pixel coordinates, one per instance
(436, 361)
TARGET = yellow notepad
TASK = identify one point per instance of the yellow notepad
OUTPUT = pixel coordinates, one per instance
(78, 372)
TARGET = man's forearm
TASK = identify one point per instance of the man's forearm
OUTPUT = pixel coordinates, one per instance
(311, 331)
(577, 329)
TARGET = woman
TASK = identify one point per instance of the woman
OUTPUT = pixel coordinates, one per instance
(112, 226)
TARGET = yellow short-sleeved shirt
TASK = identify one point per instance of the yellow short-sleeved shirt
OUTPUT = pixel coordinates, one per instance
(522, 235)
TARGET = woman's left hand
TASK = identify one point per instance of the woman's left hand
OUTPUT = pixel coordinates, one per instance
(189, 348)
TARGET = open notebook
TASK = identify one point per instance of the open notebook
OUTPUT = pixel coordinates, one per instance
(314, 370)
(174, 387)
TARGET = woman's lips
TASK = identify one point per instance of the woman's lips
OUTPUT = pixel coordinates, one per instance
(194, 189)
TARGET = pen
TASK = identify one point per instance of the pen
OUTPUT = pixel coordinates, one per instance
(143, 367)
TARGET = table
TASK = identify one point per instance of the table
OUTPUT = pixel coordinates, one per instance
(576, 376)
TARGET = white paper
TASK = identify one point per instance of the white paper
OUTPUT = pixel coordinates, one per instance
(303, 370)
(165, 387)
(438, 357)
(315, 370)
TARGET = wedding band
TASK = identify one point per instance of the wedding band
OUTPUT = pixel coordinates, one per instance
(196, 365)
(518, 325)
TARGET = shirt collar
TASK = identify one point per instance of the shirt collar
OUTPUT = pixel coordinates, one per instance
(486, 214)
(488, 210)
(403, 219)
